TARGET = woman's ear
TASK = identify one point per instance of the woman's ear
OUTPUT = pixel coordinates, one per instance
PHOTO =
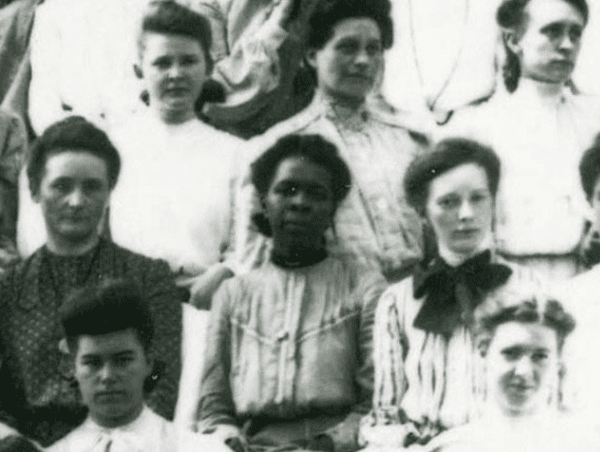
(137, 70)
(512, 41)
(311, 58)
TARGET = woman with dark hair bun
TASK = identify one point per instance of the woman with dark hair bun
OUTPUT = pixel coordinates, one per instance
(289, 346)
(374, 226)
(175, 199)
(539, 124)
(426, 376)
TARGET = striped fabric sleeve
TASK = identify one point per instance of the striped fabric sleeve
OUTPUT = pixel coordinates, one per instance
(389, 353)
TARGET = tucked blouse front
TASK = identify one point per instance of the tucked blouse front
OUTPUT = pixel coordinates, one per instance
(374, 225)
(289, 344)
(175, 196)
(425, 382)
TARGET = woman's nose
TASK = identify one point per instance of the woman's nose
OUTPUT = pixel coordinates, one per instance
(175, 70)
(465, 211)
(362, 57)
(300, 200)
(524, 366)
(107, 372)
(76, 198)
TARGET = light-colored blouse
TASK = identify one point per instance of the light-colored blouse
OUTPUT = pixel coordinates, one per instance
(289, 344)
(148, 433)
(374, 225)
(175, 195)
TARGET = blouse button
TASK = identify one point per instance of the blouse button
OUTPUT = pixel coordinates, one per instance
(282, 336)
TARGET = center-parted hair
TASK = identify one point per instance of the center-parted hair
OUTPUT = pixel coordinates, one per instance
(313, 148)
(523, 305)
(77, 134)
(447, 155)
(511, 16)
(329, 13)
(170, 18)
(108, 307)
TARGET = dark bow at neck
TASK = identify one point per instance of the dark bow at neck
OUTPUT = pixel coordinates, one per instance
(453, 293)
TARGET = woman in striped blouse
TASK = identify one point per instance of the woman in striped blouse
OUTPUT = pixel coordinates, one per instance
(427, 377)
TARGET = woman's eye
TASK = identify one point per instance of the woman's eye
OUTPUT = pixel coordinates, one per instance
(348, 47)
(162, 63)
(374, 49)
(62, 186)
(448, 203)
(539, 357)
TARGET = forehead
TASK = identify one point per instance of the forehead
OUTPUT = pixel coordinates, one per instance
(75, 163)
(160, 44)
(301, 170)
(525, 335)
(356, 27)
(543, 12)
(110, 343)
(465, 177)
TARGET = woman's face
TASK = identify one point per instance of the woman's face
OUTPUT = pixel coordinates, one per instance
(348, 65)
(173, 69)
(549, 46)
(521, 367)
(460, 208)
(299, 204)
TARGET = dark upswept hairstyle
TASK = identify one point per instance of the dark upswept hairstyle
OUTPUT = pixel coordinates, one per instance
(447, 155)
(589, 168)
(511, 16)
(313, 148)
(170, 18)
(525, 306)
(329, 12)
(16, 443)
(110, 306)
(77, 134)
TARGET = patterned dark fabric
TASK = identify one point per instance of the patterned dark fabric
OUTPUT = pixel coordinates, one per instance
(31, 294)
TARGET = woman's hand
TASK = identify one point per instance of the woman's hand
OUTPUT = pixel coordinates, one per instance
(207, 284)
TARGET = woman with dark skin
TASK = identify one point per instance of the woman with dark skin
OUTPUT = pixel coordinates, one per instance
(288, 364)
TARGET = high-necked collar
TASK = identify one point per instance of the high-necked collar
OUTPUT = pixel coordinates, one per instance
(353, 118)
(540, 92)
(454, 259)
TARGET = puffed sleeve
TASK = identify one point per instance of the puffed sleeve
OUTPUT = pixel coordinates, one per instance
(45, 104)
(386, 424)
(249, 71)
(216, 408)
(345, 435)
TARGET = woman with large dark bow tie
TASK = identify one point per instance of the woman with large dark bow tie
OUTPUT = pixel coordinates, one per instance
(426, 376)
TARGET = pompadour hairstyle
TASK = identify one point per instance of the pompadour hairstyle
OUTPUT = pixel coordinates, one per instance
(329, 12)
(448, 154)
(111, 306)
(76, 134)
(313, 148)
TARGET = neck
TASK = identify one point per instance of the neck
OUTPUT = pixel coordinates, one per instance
(63, 247)
(455, 258)
(515, 421)
(174, 117)
(351, 103)
(118, 421)
(541, 87)
(294, 255)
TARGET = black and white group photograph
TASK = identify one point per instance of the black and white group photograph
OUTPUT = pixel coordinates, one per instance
(299, 225)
